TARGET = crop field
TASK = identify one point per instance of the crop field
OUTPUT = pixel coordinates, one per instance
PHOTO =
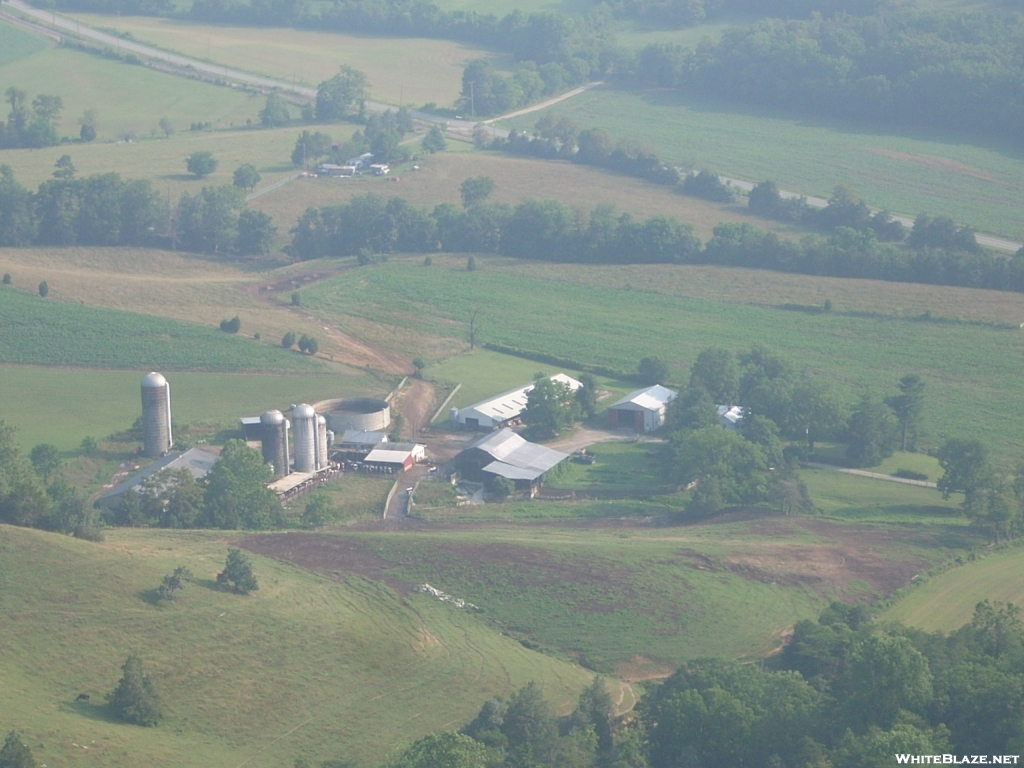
(310, 665)
(907, 174)
(516, 179)
(126, 97)
(407, 71)
(49, 332)
(946, 602)
(863, 499)
(608, 592)
(972, 371)
(60, 406)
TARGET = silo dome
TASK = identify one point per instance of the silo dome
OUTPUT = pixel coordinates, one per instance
(153, 380)
(156, 415)
(303, 411)
(272, 418)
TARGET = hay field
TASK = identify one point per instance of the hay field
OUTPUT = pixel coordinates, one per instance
(399, 70)
(906, 173)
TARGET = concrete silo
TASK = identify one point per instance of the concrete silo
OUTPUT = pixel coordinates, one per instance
(274, 428)
(156, 415)
(323, 456)
(304, 426)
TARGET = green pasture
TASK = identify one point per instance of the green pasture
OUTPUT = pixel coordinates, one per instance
(621, 467)
(16, 43)
(526, 6)
(126, 97)
(903, 172)
(946, 602)
(398, 70)
(607, 594)
(536, 511)
(857, 498)
(309, 665)
(972, 371)
(60, 406)
(47, 332)
(354, 497)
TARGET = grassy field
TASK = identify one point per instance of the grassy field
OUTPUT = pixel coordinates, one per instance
(516, 179)
(971, 370)
(60, 406)
(356, 498)
(616, 594)
(399, 70)
(49, 332)
(623, 467)
(126, 97)
(310, 665)
(905, 173)
(946, 602)
(16, 43)
(863, 499)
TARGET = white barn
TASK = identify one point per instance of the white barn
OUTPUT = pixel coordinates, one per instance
(643, 410)
(506, 407)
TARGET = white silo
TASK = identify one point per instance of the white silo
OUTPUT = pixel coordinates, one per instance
(304, 425)
(156, 415)
(322, 452)
(274, 428)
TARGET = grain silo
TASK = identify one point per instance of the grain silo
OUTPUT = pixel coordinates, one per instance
(275, 441)
(304, 425)
(322, 452)
(156, 415)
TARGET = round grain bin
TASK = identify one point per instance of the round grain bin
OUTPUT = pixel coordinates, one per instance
(365, 413)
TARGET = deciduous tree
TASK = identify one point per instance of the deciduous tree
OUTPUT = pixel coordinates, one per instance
(201, 163)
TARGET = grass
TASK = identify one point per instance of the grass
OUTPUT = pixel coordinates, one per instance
(946, 602)
(972, 371)
(309, 665)
(620, 467)
(906, 173)
(16, 43)
(60, 406)
(863, 499)
(399, 70)
(49, 332)
(126, 97)
(356, 497)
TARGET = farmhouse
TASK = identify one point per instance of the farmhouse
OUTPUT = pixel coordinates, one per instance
(395, 456)
(731, 417)
(501, 410)
(196, 460)
(506, 454)
(643, 410)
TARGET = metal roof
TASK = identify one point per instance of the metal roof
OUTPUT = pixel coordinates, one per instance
(731, 414)
(510, 450)
(388, 456)
(288, 482)
(195, 460)
(363, 437)
(650, 399)
(510, 404)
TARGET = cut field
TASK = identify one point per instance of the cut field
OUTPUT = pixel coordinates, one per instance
(946, 602)
(398, 70)
(126, 97)
(906, 174)
(60, 406)
(516, 179)
(972, 370)
(608, 592)
(308, 666)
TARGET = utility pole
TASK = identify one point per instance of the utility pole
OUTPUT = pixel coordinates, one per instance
(472, 99)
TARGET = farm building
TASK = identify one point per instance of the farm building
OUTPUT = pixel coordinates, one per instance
(329, 169)
(506, 454)
(505, 408)
(643, 410)
(252, 428)
(395, 456)
(731, 416)
(361, 440)
(380, 169)
(363, 161)
(196, 460)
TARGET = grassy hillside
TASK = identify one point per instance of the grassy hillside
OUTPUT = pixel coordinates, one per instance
(125, 96)
(309, 665)
(972, 370)
(16, 43)
(947, 601)
(48, 332)
(399, 70)
(907, 174)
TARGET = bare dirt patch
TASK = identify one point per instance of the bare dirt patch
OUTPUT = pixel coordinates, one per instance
(640, 668)
(942, 163)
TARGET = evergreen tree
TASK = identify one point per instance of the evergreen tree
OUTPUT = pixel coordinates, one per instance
(15, 753)
(133, 701)
(237, 574)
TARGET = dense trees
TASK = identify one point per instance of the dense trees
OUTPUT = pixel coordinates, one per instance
(236, 491)
(335, 97)
(30, 128)
(275, 112)
(551, 406)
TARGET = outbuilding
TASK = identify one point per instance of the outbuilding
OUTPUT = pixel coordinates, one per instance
(503, 409)
(731, 417)
(643, 410)
(196, 460)
(507, 454)
(395, 456)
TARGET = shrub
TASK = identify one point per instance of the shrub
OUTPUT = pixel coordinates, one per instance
(231, 326)
(289, 340)
(44, 289)
(7, 277)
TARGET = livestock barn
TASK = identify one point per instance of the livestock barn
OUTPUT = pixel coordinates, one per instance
(503, 409)
(507, 454)
(643, 410)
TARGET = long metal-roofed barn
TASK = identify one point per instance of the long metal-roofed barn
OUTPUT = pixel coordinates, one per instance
(507, 454)
(643, 410)
(196, 460)
(156, 415)
(502, 409)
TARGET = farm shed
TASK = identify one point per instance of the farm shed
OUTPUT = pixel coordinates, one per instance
(502, 409)
(252, 428)
(395, 456)
(196, 460)
(361, 440)
(507, 454)
(643, 410)
(731, 416)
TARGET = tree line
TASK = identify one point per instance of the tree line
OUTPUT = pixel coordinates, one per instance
(846, 692)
